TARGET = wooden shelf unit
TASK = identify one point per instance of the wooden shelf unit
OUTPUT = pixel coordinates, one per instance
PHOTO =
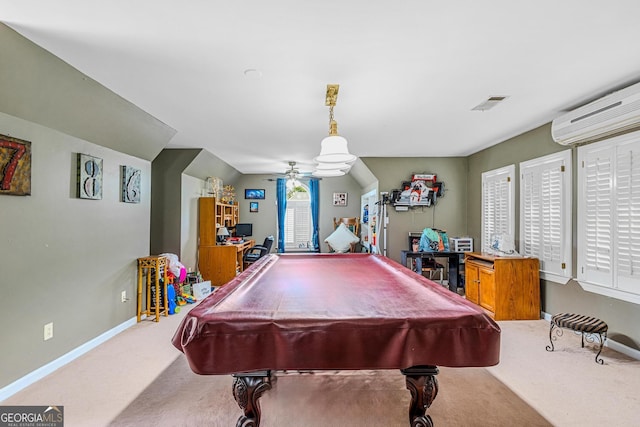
(212, 215)
(218, 263)
(507, 287)
(154, 270)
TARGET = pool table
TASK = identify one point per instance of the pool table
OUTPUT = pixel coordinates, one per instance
(338, 312)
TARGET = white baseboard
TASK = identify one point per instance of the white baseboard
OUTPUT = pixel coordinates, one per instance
(613, 345)
(45, 370)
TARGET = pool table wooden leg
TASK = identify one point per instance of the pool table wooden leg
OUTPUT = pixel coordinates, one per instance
(423, 385)
(247, 389)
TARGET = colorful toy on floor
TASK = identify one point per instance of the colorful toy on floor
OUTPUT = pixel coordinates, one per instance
(171, 299)
(188, 298)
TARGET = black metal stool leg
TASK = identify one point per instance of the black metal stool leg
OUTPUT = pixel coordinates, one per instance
(551, 326)
(601, 361)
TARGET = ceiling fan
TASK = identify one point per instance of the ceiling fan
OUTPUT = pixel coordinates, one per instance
(293, 174)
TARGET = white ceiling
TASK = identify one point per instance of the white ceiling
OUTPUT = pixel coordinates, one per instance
(410, 72)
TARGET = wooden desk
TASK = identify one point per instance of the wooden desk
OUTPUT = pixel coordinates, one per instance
(221, 263)
(241, 249)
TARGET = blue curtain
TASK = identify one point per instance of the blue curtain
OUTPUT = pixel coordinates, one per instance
(314, 190)
(281, 195)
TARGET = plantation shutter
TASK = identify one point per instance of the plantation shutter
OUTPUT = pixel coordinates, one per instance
(531, 239)
(289, 226)
(545, 212)
(298, 224)
(627, 225)
(497, 204)
(594, 237)
(303, 224)
(609, 217)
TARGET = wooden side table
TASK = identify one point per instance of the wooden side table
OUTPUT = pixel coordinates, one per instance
(153, 266)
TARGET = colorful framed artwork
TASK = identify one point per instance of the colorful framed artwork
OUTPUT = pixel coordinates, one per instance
(253, 193)
(15, 166)
(89, 177)
(131, 184)
(253, 207)
(339, 199)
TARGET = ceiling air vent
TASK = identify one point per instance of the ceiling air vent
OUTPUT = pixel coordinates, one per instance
(489, 103)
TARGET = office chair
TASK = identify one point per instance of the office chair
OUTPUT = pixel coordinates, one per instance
(256, 252)
(431, 267)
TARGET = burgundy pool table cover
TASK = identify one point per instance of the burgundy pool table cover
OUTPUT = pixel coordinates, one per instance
(334, 311)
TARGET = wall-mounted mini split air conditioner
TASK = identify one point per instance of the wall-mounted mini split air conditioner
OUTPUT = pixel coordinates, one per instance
(612, 114)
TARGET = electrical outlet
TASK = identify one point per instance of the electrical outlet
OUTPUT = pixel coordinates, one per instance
(123, 296)
(48, 331)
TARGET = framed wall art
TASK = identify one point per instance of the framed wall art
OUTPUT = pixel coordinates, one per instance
(89, 177)
(253, 207)
(15, 166)
(339, 199)
(131, 184)
(254, 193)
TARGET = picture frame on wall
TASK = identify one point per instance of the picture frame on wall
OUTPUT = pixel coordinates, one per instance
(15, 166)
(254, 193)
(253, 207)
(339, 199)
(89, 177)
(131, 184)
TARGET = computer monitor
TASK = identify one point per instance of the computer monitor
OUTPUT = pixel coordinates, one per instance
(243, 230)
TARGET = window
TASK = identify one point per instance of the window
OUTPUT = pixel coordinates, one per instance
(609, 217)
(545, 214)
(498, 206)
(298, 229)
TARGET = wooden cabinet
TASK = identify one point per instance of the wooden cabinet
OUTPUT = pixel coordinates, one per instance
(508, 288)
(221, 263)
(213, 215)
(217, 263)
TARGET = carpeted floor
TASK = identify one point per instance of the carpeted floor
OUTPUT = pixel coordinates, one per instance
(467, 397)
(139, 379)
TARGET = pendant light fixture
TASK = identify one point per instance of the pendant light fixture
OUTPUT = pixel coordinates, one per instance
(334, 158)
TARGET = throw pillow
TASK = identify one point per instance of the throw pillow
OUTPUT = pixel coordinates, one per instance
(341, 239)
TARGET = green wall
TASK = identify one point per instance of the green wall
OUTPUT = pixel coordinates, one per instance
(449, 213)
(622, 317)
(66, 260)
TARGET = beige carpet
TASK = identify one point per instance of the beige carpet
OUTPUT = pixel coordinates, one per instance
(567, 386)
(467, 397)
(136, 377)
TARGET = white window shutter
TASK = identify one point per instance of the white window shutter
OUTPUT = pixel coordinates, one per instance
(595, 219)
(303, 224)
(289, 226)
(530, 239)
(627, 226)
(298, 223)
(545, 214)
(497, 204)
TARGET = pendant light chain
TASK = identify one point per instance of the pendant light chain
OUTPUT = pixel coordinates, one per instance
(334, 158)
(331, 120)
